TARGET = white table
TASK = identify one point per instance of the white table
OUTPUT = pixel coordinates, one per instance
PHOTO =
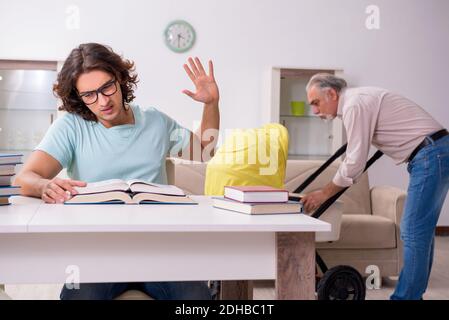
(45, 243)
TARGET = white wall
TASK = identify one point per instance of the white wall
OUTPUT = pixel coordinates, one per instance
(245, 38)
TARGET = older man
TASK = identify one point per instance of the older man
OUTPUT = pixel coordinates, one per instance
(405, 132)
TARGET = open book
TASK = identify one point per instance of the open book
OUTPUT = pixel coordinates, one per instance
(118, 191)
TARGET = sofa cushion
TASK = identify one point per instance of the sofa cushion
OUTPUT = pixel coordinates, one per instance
(187, 175)
(362, 231)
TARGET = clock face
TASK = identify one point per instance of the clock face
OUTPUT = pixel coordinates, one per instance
(179, 36)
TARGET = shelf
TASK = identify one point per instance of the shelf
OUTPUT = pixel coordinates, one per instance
(302, 73)
(23, 109)
(310, 136)
(305, 116)
(308, 157)
(12, 150)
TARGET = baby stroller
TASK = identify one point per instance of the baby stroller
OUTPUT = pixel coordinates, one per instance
(340, 282)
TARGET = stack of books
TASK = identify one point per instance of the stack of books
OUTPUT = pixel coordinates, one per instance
(8, 163)
(256, 200)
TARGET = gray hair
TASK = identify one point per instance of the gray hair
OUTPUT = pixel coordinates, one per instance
(327, 80)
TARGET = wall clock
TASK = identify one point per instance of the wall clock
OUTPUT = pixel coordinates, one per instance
(179, 36)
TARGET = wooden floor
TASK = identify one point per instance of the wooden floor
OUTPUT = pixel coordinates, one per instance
(438, 288)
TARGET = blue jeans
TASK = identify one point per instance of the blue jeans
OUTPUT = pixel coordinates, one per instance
(185, 290)
(427, 190)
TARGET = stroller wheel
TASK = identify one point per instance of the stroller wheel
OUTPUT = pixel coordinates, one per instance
(341, 283)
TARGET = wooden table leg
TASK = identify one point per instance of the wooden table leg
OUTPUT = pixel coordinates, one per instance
(236, 290)
(295, 265)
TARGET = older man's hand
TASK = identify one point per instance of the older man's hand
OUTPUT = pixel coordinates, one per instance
(313, 200)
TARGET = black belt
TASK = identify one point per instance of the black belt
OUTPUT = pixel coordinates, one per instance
(437, 135)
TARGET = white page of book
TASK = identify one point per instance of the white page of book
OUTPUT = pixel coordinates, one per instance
(103, 186)
(151, 187)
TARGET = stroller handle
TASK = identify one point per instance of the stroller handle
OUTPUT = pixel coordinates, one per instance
(326, 204)
(323, 167)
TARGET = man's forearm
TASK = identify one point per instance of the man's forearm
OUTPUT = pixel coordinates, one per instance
(210, 121)
(207, 133)
(204, 139)
(331, 189)
(31, 183)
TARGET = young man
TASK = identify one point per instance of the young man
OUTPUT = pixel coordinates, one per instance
(405, 132)
(103, 137)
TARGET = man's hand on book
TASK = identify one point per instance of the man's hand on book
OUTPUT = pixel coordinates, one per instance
(59, 190)
(205, 85)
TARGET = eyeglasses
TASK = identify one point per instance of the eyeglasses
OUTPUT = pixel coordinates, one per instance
(108, 89)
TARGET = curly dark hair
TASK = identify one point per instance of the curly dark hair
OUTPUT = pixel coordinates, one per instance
(88, 57)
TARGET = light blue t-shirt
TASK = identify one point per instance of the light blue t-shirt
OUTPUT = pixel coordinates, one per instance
(91, 152)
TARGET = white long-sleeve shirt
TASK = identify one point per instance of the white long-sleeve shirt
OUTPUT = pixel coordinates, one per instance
(390, 122)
